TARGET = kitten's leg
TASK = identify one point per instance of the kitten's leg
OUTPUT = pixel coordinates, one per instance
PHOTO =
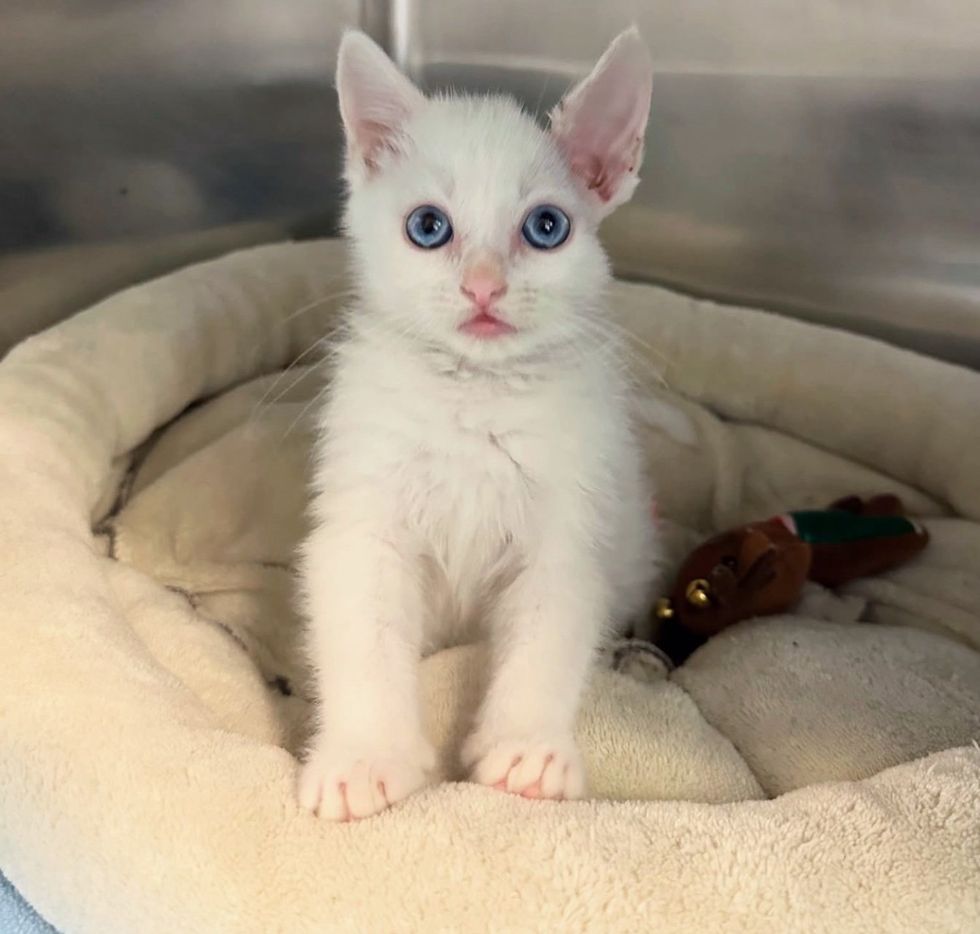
(364, 602)
(546, 629)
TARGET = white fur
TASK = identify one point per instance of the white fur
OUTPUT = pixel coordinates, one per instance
(466, 488)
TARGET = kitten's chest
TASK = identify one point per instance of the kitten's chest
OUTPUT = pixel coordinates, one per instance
(485, 462)
(472, 498)
(475, 466)
(467, 460)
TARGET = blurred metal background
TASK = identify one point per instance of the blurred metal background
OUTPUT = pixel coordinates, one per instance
(817, 157)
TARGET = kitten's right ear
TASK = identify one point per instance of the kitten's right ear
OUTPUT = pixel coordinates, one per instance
(376, 100)
(600, 124)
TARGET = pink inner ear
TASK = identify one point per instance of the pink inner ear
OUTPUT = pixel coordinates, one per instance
(370, 138)
(601, 171)
(600, 124)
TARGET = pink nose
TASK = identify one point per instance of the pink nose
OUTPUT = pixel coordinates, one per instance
(483, 285)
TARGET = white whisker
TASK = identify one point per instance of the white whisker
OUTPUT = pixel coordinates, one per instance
(317, 303)
(306, 408)
(614, 342)
(322, 343)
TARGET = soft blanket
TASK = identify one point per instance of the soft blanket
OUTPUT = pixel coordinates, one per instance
(810, 772)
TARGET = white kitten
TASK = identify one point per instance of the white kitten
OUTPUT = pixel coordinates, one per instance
(476, 471)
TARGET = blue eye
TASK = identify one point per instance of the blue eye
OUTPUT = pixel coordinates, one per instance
(546, 227)
(428, 227)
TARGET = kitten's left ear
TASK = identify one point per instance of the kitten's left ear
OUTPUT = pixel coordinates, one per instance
(376, 100)
(600, 124)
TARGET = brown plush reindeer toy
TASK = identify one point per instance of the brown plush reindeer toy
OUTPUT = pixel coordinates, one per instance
(760, 569)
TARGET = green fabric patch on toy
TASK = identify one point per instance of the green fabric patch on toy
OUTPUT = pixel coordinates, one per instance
(832, 526)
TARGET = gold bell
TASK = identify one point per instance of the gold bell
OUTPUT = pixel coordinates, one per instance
(698, 593)
(663, 609)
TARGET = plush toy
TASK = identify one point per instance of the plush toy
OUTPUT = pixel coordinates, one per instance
(761, 568)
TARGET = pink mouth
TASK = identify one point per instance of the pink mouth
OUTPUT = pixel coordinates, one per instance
(486, 326)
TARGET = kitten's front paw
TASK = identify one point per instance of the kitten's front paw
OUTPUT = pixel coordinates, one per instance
(533, 768)
(345, 782)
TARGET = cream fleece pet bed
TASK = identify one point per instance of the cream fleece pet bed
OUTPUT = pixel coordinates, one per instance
(803, 773)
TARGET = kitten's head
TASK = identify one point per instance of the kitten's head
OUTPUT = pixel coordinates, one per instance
(474, 230)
